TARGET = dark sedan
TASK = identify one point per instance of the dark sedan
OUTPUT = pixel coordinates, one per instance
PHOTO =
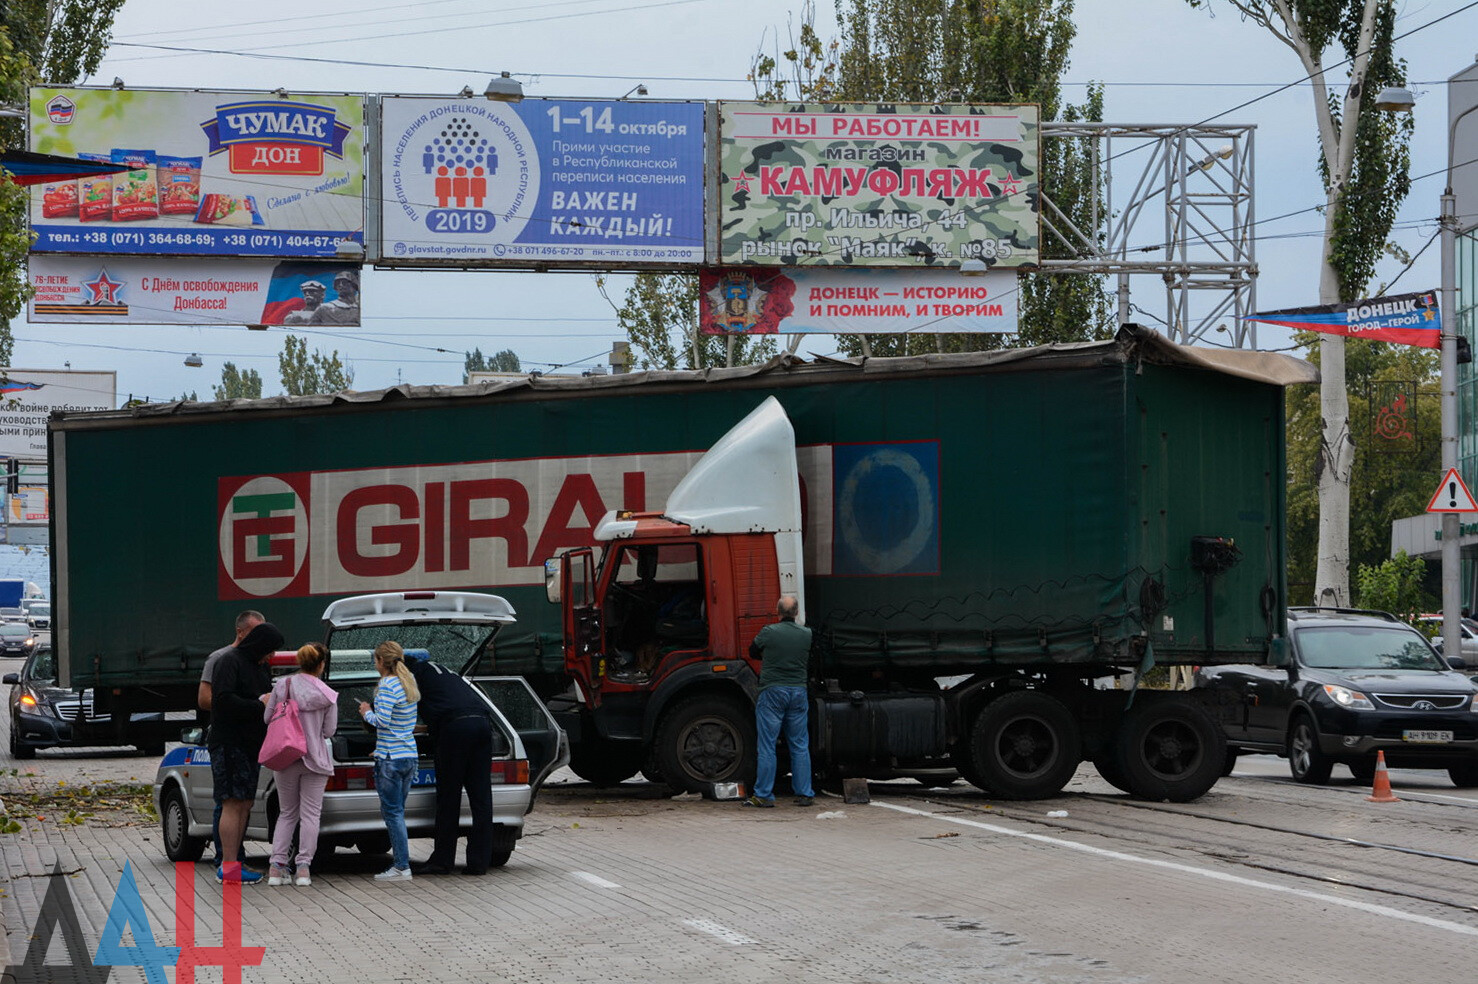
(1351, 683)
(16, 639)
(44, 715)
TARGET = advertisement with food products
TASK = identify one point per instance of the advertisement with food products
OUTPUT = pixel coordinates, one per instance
(209, 173)
(863, 184)
(547, 182)
(149, 290)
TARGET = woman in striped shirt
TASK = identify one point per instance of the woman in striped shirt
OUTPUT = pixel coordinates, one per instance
(393, 717)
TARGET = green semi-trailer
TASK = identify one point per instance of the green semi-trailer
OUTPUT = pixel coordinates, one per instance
(1028, 519)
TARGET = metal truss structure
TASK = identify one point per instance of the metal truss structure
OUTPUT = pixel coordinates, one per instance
(1174, 201)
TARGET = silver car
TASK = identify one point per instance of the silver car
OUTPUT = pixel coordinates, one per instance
(456, 629)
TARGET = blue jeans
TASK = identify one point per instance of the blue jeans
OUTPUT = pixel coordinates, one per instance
(393, 783)
(787, 706)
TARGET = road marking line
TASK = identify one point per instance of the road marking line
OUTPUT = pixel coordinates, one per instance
(595, 880)
(722, 932)
(1378, 910)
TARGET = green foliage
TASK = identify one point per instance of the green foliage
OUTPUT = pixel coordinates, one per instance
(1383, 487)
(57, 42)
(973, 51)
(504, 361)
(238, 385)
(1394, 585)
(660, 317)
(303, 374)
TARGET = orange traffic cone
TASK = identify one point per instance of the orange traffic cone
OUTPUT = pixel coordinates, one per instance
(1381, 793)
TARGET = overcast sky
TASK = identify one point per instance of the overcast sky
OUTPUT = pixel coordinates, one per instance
(1161, 62)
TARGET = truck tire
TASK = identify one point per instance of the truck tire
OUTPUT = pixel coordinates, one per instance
(1464, 775)
(1170, 750)
(1306, 760)
(1109, 770)
(704, 740)
(1024, 746)
(174, 823)
(504, 840)
(603, 763)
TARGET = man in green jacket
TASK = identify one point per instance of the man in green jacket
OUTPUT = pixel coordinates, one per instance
(784, 649)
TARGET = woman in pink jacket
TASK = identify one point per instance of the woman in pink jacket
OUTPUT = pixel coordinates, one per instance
(300, 785)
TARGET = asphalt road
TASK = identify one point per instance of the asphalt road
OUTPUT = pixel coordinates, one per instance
(1262, 879)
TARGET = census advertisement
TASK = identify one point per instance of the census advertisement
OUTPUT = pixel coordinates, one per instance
(186, 290)
(877, 185)
(553, 182)
(209, 173)
(827, 300)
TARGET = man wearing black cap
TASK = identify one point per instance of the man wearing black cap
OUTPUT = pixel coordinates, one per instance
(238, 727)
(457, 717)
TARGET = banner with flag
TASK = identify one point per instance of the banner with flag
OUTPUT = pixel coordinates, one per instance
(1407, 319)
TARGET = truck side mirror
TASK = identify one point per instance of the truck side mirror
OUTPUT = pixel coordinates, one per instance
(552, 579)
(1457, 662)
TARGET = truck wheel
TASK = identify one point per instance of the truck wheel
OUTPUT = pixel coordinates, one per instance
(603, 763)
(1464, 775)
(504, 839)
(174, 821)
(1230, 762)
(1025, 746)
(1170, 750)
(1111, 773)
(705, 740)
(1306, 760)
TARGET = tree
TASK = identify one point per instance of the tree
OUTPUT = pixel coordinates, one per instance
(317, 373)
(974, 51)
(60, 42)
(504, 361)
(238, 385)
(1364, 158)
(660, 317)
(1394, 585)
(1383, 486)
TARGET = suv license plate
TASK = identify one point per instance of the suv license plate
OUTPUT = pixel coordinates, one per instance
(1430, 737)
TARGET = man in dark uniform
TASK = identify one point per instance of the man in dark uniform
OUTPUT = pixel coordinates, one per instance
(457, 717)
(237, 728)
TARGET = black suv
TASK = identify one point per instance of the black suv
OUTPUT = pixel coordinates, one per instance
(1349, 684)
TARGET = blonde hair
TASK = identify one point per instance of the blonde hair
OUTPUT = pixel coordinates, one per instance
(392, 657)
(312, 657)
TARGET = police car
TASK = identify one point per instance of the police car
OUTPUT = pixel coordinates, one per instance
(455, 629)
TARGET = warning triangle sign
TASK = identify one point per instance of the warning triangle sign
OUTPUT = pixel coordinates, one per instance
(1452, 496)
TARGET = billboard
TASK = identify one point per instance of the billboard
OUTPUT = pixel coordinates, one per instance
(828, 300)
(30, 395)
(147, 290)
(1407, 319)
(212, 173)
(877, 184)
(560, 182)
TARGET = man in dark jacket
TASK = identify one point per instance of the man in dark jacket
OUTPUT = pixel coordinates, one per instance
(457, 718)
(238, 695)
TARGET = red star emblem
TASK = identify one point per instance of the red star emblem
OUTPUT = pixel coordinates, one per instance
(1010, 185)
(104, 290)
(741, 182)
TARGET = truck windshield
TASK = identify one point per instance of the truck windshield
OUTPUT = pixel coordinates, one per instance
(1350, 648)
(351, 649)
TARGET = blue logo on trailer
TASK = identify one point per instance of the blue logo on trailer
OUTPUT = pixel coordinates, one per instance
(886, 508)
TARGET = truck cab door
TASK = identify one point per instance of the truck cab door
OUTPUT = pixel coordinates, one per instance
(583, 634)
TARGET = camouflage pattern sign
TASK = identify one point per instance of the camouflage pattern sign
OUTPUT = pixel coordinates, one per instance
(877, 185)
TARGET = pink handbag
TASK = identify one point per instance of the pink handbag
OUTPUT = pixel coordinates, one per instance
(285, 742)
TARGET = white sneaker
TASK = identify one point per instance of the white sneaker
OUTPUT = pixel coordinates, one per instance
(277, 876)
(303, 880)
(394, 874)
